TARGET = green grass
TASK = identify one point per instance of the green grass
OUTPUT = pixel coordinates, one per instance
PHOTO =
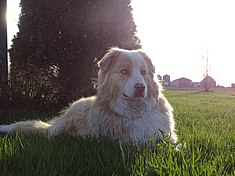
(205, 122)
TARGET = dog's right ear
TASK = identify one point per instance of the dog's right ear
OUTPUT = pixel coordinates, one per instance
(106, 63)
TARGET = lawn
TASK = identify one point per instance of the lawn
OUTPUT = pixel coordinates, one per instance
(205, 123)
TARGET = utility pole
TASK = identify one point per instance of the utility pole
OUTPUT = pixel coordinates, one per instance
(206, 83)
(3, 44)
(207, 87)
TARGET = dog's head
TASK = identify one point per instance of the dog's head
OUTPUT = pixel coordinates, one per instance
(126, 75)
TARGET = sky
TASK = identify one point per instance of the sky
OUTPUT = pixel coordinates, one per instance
(13, 11)
(178, 34)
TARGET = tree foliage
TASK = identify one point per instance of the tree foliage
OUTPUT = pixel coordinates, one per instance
(53, 54)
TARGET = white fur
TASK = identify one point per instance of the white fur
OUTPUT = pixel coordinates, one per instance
(115, 112)
(5, 128)
(137, 61)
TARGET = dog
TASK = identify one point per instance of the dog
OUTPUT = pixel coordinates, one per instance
(129, 105)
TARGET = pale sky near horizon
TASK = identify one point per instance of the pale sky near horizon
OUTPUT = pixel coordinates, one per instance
(177, 34)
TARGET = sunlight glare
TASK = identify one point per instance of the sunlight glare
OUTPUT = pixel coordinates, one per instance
(177, 33)
(12, 16)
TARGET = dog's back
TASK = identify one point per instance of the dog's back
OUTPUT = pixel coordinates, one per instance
(72, 121)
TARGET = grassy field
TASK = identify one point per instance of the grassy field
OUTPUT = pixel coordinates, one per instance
(205, 123)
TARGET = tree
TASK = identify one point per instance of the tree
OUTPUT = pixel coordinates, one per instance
(52, 56)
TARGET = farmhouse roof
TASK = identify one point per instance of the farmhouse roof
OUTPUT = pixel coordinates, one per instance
(183, 78)
(208, 77)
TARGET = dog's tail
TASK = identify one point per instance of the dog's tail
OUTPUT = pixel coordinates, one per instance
(27, 127)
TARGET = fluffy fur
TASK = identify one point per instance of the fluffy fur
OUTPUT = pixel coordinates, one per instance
(129, 105)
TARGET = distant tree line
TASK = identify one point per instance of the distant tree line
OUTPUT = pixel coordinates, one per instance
(53, 56)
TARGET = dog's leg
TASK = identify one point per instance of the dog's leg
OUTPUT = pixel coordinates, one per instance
(57, 127)
(71, 125)
(73, 120)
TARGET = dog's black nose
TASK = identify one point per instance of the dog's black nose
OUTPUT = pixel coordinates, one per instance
(139, 88)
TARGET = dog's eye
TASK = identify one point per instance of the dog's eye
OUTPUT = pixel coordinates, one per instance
(143, 72)
(124, 71)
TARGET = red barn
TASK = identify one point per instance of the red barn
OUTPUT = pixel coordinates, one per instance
(209, 82)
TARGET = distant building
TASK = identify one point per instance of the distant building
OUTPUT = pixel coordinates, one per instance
(196, 84)
(159, 77)
(182, 83)
(209, 82)
(166, 80)
(233, 85)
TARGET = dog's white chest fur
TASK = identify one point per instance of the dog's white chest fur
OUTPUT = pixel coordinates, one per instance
(129, 121)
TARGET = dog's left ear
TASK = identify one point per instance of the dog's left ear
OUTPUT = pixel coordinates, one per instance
(149, 62)
(106, 63)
